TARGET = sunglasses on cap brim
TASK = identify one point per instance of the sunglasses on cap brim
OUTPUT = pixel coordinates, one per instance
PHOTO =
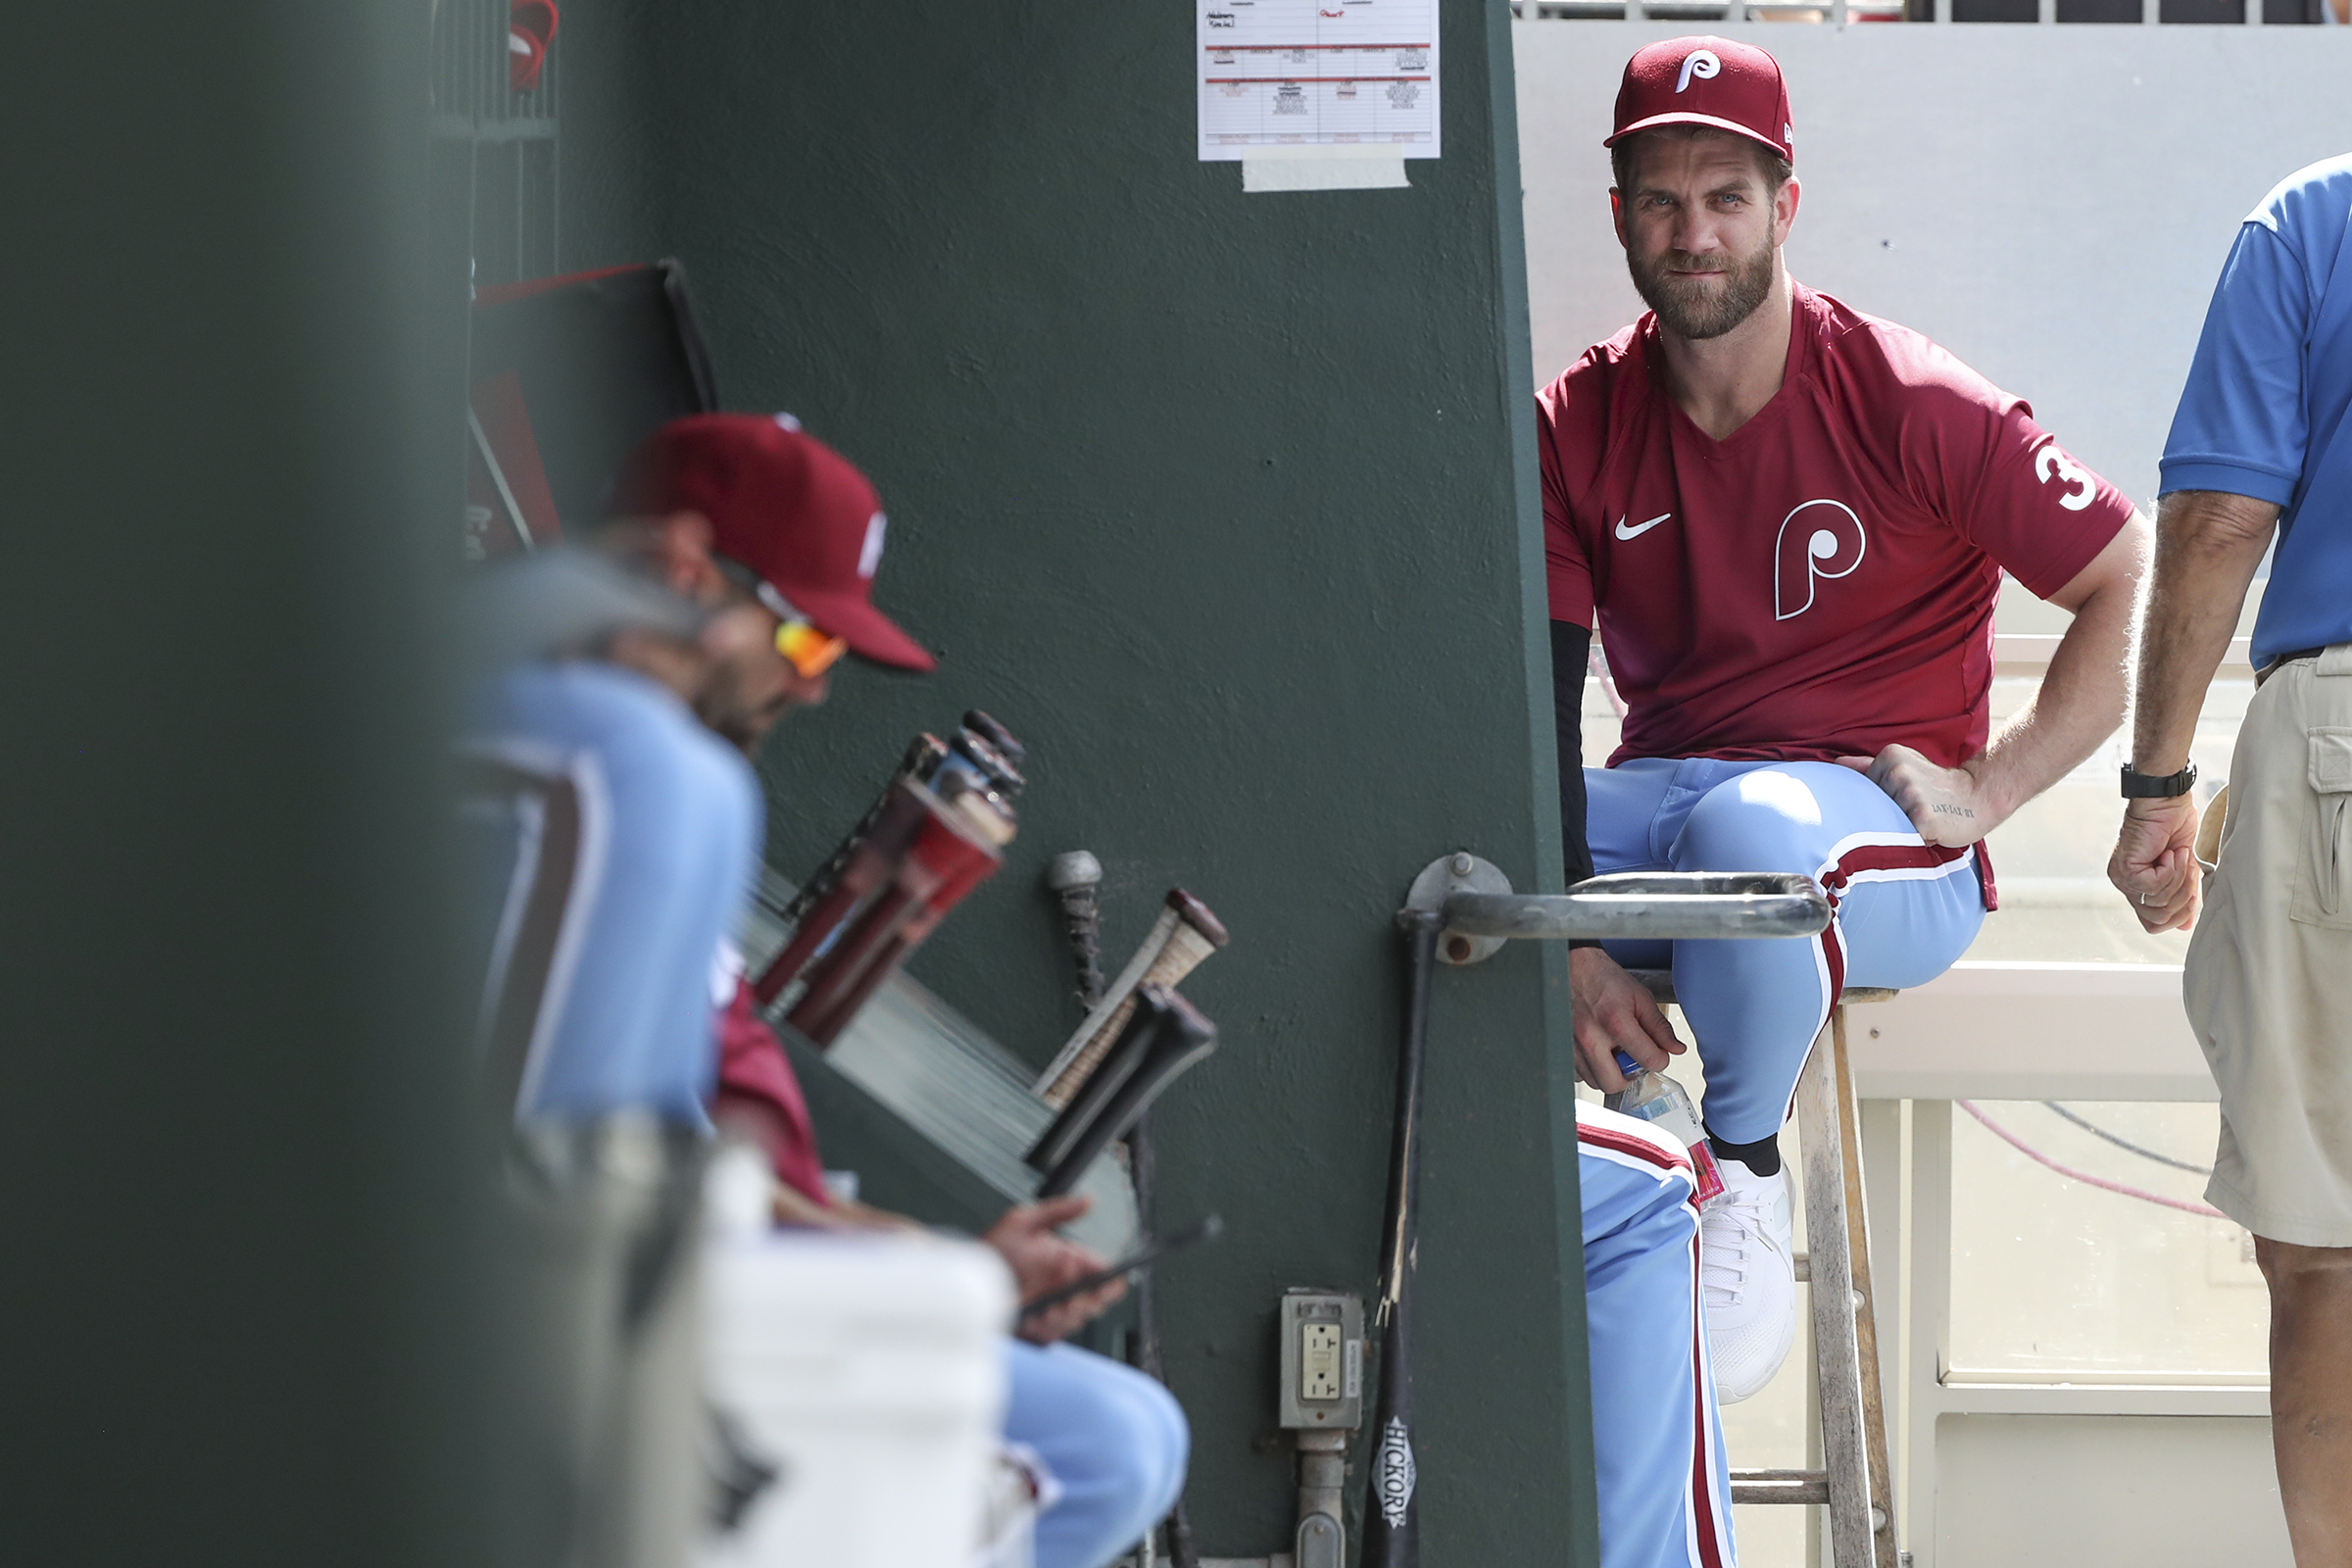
(807, 648)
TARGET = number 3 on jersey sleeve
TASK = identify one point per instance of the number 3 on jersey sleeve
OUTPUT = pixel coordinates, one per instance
(2078, 484)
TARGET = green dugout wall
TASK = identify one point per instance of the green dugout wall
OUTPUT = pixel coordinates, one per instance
(245, 1308)
(1227, 504)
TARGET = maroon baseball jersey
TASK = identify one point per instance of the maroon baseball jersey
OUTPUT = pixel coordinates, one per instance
(1822, 583)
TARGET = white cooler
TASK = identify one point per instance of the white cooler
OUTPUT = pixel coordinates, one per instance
(870, 1370)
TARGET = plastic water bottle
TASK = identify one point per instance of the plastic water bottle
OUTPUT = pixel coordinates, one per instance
(1666, 1106)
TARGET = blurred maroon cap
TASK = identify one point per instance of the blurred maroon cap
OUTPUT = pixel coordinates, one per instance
(1706, 81)
(786, 506)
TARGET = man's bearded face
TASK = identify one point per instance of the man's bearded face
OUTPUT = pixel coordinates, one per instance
(749, 686)
(1704, 296)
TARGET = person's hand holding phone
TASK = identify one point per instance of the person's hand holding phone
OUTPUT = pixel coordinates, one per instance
(1042, 1261)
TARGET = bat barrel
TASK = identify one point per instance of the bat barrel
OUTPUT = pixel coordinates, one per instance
(1392, 1517)
(1421, 929)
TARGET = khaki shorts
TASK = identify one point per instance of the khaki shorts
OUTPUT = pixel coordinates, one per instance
(2269, 983)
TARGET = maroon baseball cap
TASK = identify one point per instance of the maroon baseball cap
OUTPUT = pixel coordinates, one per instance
(1706, 81)
(785, 505)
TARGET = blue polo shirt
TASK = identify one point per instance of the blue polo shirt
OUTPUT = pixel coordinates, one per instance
(2265, 412)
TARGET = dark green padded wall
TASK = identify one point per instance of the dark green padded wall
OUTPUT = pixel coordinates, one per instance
(242, 1322)
(1226, 502)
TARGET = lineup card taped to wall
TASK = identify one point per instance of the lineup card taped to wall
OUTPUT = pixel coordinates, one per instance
(1336, 73)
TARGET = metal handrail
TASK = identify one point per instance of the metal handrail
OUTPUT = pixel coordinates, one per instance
(1656, 906)
(1481, 912)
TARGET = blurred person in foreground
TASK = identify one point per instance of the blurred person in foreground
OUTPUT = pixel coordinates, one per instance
(616, 836)
(749, 517)
(2261, 448)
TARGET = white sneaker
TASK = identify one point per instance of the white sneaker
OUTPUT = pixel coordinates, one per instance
(1749, 1280)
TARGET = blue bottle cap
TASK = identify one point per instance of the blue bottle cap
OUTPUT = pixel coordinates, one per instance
(1627, 1065)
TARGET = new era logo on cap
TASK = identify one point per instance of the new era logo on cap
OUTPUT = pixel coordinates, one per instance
(1706, 81)
(781, 502)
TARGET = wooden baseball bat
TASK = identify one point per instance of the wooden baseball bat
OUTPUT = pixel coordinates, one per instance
(1174, 1036)
(945, 862)
(1391, 1513)
(1185, 934)
(923, 754)
(1092, 1097)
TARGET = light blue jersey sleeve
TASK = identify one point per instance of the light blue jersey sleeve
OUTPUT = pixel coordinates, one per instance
(619, 853)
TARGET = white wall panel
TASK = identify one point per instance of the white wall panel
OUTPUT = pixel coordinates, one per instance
(2031, 1031)
(2039, 1491)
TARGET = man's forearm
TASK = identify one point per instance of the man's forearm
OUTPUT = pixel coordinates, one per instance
(2081, 699)
(2208, 544)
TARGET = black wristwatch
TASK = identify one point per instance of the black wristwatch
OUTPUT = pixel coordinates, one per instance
(2141, 786)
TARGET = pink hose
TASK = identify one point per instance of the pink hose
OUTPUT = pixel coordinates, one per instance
(2040, 1159)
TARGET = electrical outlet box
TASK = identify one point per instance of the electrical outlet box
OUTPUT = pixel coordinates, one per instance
(1322, 1361)
(1319, 1362)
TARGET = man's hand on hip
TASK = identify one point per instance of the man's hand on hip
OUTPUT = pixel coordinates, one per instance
(2155, 862)
(1947, 804)
(1613, 1012)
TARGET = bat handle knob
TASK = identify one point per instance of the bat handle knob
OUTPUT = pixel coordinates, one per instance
(1074, 877)
(1074, 868)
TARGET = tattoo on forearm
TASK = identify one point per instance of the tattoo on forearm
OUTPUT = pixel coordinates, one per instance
(1941, 809)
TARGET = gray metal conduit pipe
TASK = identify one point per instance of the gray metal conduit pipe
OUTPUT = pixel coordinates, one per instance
(1482, 912)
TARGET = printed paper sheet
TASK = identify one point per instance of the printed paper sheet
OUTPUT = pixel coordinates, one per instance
(1336, 73)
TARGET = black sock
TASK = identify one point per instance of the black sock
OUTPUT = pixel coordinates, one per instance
(1763, 1157)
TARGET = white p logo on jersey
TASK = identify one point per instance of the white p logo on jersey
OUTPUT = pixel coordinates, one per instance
(1699, 63)
(1819, 539)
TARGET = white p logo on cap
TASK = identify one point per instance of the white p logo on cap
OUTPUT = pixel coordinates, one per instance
(1699, 63)
(869, 555)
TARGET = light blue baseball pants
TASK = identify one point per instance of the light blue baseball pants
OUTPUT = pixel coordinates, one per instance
(1905, 909)
(1664, 1483)
(1115, 1439)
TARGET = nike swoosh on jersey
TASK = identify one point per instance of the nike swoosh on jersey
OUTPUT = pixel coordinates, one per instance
(1639, 529)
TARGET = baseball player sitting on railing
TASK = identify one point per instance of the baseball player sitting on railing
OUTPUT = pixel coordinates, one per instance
(1789, 521)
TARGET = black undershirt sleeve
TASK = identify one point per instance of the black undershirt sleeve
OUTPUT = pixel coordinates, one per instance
(1570, 647)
